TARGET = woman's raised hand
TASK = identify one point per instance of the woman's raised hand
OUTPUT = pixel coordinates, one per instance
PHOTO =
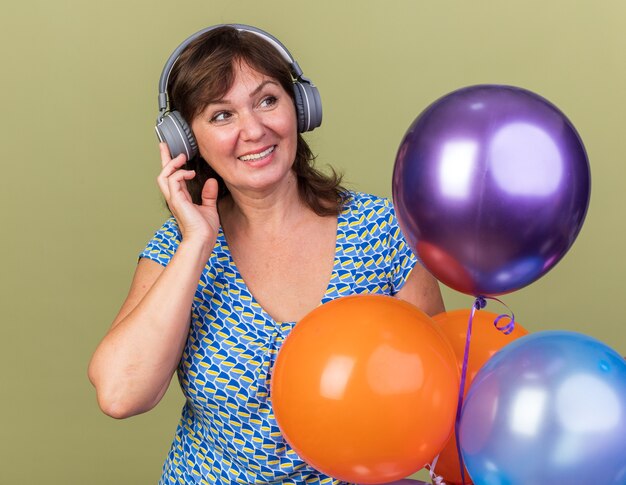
(194, 221)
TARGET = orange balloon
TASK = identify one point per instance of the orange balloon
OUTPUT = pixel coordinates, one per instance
(365, 388)
(485, 341)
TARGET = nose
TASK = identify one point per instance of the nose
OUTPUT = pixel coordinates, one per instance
(252, 126)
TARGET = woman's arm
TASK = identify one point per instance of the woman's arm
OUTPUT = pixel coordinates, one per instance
(422, 290)
(133, 365)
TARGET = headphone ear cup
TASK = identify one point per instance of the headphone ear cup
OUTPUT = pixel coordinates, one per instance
(174, 130)
(308, 106)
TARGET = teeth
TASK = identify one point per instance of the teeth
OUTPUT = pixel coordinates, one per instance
(256, 156)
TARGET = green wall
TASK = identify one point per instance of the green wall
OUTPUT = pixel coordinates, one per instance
(78, 190)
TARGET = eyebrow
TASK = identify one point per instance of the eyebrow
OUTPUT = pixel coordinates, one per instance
(252, 94)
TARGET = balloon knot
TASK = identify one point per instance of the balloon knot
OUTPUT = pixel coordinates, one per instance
(480, 303)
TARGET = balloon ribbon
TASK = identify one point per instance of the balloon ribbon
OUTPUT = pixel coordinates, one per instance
(506, 328)
(434, 478)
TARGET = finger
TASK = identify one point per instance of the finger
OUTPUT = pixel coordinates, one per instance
(167, 181)
(177, 186)
(163, 187)
(209, 193)
(170, 167)
(166, 157)
(164, 151)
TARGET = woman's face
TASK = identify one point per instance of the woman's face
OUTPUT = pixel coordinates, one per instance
(250, 136)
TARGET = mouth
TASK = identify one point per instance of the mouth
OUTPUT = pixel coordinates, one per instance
(257, 156)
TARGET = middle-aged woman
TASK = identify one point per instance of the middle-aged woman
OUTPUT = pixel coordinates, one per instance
(257, 239)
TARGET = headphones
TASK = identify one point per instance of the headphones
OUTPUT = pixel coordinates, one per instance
(172, 129)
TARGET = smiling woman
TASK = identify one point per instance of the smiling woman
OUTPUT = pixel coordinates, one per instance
(249, 137)
(258, 238)
(201, 78)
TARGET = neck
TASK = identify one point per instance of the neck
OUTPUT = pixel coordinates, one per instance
(262, 212)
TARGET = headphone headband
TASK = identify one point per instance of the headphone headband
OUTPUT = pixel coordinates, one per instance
(169, 64)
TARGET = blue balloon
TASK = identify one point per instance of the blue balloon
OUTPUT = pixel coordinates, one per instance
(549, 408)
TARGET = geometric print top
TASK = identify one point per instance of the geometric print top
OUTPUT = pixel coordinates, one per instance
(227, 433)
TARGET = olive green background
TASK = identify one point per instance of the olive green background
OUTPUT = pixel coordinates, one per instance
(79, 87)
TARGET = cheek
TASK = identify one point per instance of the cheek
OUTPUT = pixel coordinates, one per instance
(289, 126)
(212, 146)
(285, 120)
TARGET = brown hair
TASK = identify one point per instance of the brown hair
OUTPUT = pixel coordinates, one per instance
(205, 71)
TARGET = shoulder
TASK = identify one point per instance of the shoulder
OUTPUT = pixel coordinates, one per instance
(169, 230)
(170, 227)
(164, 242)
(362, 200)
(369, 206)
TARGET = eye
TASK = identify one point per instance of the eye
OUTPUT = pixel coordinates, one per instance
(268, 101)
(220, 117)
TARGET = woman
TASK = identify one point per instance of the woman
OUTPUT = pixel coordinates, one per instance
(257, 239)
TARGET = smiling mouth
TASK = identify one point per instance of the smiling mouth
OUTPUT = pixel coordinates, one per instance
(257, 156)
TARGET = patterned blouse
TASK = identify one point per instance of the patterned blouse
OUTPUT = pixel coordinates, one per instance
(227, 433)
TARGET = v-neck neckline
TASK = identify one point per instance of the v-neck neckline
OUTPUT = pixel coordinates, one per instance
(329, 286)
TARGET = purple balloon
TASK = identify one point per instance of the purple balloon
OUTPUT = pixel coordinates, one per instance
(491, 186)
(549, 408)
